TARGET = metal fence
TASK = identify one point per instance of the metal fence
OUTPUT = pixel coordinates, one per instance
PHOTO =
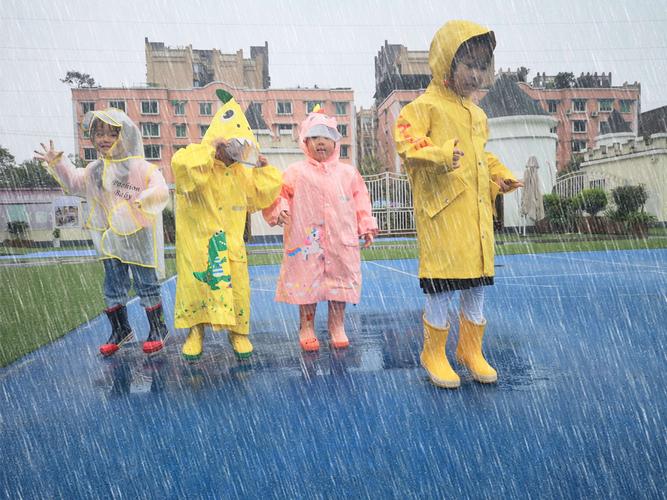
(391, 199)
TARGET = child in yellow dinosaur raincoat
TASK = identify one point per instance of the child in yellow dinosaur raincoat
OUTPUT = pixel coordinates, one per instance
(217, 183)
(441, 137)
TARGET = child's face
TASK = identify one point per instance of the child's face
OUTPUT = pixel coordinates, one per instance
(104, 137)
(471, 69)
(320, 148)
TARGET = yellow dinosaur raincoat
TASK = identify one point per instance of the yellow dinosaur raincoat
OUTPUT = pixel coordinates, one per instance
(453, 208)
(212, 200)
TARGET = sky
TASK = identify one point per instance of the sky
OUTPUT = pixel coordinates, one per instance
(311, 42)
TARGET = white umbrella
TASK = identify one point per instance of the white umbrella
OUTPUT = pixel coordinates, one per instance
(531, 196)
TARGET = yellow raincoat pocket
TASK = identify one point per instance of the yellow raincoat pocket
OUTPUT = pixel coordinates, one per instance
(444, 191)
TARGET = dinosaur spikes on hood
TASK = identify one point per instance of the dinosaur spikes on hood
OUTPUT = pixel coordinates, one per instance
(230, 123)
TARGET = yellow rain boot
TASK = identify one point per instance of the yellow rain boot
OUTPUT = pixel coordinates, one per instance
(469, 351)
(194, 343)
(241, 345)
(434, 358)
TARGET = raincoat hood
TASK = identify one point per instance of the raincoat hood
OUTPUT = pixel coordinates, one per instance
(447, 41)
(318, 124)
(230, 123)
(129, 143)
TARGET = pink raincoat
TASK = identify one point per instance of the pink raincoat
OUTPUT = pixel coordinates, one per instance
(330, 209)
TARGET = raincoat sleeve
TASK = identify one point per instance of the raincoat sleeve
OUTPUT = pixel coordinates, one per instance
(262, 185)
(414, 145)
(192, 167)
(154, 198)
(281, 203)
(73, 180)
(366, 223)
(497, 170)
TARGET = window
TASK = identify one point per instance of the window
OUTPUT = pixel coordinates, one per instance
(203, 129)
(625, 106)
(579, 105)
(87, 106)
(284, 107)
(344, 151)
(89, 154)
(342, 129)
(285, 128)
(205, 108)
(579, 126)
(178, 146)
(605, 105)
(578, 146)
(150, 108)
(604, 128)
(181, 130)
(310, 105)
(179, 108)
(117, 104)
(341, 108)
(152, 151)
(150, 129)
(552, 106)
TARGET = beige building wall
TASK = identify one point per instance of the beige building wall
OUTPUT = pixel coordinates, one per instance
(632, 163)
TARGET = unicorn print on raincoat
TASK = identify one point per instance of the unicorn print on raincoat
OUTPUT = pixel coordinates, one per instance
(330, 209)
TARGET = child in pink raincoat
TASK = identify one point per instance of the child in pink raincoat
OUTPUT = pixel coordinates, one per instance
(325, 208)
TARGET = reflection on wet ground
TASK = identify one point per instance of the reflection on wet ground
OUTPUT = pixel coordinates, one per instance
(579, 408)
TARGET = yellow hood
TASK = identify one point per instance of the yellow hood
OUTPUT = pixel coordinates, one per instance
(447, 41)
(229, 123)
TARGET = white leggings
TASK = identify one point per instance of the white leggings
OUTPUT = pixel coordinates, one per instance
(436, 310)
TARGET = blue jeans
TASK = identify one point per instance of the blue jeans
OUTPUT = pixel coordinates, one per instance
(117, 283)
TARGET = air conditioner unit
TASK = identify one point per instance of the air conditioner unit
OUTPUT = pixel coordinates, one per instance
(594, 114)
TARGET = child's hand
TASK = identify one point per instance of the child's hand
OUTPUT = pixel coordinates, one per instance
(49, 155)
(368, 239)
(458, 153)
(220, 146)
(508, 184)
(262, 161)
(284, 218)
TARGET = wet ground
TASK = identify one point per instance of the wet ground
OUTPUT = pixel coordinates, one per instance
(579, 411)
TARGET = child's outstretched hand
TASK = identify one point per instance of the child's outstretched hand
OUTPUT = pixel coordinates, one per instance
(49, 155)
(458, 153)
(508, 184)
(284, 218)
(262, 161)
(368, 239)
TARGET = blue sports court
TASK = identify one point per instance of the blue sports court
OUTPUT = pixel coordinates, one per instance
(578, 340)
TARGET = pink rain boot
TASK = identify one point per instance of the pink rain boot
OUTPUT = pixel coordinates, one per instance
(337, 335)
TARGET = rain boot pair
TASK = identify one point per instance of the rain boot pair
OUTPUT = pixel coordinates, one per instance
(468, 353)
(194, 344)
(121, 331)
(336, 325)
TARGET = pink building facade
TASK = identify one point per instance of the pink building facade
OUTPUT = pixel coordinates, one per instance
(172, 119)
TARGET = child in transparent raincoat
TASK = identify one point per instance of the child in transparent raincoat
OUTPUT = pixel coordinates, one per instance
(441, 137)
(325, 209)
(126, 196)
(217, 183)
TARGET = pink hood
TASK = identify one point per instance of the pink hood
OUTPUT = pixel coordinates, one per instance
(313, 119)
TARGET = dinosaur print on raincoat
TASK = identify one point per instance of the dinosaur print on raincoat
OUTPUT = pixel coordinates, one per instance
(218, 267)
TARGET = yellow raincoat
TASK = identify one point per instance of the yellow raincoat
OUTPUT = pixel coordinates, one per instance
(453, 208)
(212, 200)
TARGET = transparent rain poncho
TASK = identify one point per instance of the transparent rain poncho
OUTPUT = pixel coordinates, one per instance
(125, 193)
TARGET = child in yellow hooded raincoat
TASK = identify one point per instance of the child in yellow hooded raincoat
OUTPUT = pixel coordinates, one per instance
(441, 137)
(217, 184)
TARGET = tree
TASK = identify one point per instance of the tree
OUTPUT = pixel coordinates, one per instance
(78, 80)
(522, 73)
(591, 201)
(29, 174)
(6, 159)
(370, 165)
(564, 80)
